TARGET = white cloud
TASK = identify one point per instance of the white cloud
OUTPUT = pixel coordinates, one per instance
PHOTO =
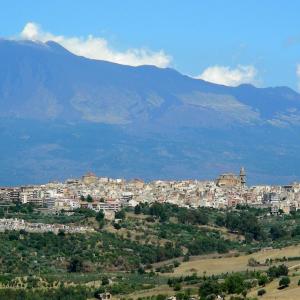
(98, 48)
(298, 75)
(230, 76)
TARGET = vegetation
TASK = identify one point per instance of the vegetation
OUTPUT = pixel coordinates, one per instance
(62, 293)
(261, 292)
(142, 249)
(284, 282)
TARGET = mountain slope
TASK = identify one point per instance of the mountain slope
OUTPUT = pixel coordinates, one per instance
(62, 114)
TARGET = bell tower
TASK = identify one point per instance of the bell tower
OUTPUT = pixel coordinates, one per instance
(243, 176)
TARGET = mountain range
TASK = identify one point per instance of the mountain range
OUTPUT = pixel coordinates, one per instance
(62, 115)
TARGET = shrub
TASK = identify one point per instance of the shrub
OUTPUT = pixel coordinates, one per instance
(252, 262)
(117, 226)
(263, 279)
(176, 263)
(186, 258)
(161, 297)
(284, 282)
(105, 281)
(75, 265)
(261, 292)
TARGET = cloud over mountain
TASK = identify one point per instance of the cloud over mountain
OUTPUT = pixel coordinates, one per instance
(98, 48)
(230, 76)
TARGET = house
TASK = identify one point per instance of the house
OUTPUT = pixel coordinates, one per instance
(103, 296)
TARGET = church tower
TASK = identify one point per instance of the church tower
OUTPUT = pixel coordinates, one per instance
(243, 176)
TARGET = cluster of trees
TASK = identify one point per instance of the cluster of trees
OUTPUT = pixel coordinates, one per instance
(278, 271)
(88, 198)
(163, 211)
(63, 293)
(240, 283)
(23, 252)
(182, 295)
(235, 283)
(16, 208)
(243, 222)
(168, 268)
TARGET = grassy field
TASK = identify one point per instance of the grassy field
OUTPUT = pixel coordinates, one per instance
(162, 289)
(273, 293)
(211, 266)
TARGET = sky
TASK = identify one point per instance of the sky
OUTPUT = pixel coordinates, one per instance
(228, 42)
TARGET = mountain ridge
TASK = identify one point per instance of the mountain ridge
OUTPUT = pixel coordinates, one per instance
(171, 122)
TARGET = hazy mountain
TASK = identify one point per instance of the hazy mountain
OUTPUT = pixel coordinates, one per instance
(62, 115)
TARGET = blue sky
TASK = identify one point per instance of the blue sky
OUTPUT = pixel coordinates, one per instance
(223, 41)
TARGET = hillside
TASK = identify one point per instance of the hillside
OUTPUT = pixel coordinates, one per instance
(152, 250)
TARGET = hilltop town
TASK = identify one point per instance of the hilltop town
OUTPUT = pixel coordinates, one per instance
(110, 195)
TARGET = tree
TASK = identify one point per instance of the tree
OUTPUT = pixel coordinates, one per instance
(252, 262)
(89, 198)
(282, 270)
(232, 221)
(82, 198)
(137, 209)
(284, 282)
(100, 216)
(201, 218)
(296, 231)
(61, 233)
(163, 217)
(88, 213)
(177, 287)
(14, 236)
(209, 287)
(234, 284)
(220, 221)
(105, 281)
(117, 226)
(176, 263)
(263, 280)
(120, 214)
(261, 292)
(75, 265)
(186, 257)
(161, 297)
(277, 232)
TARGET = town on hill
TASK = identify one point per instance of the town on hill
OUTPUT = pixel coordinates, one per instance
(110, 195)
